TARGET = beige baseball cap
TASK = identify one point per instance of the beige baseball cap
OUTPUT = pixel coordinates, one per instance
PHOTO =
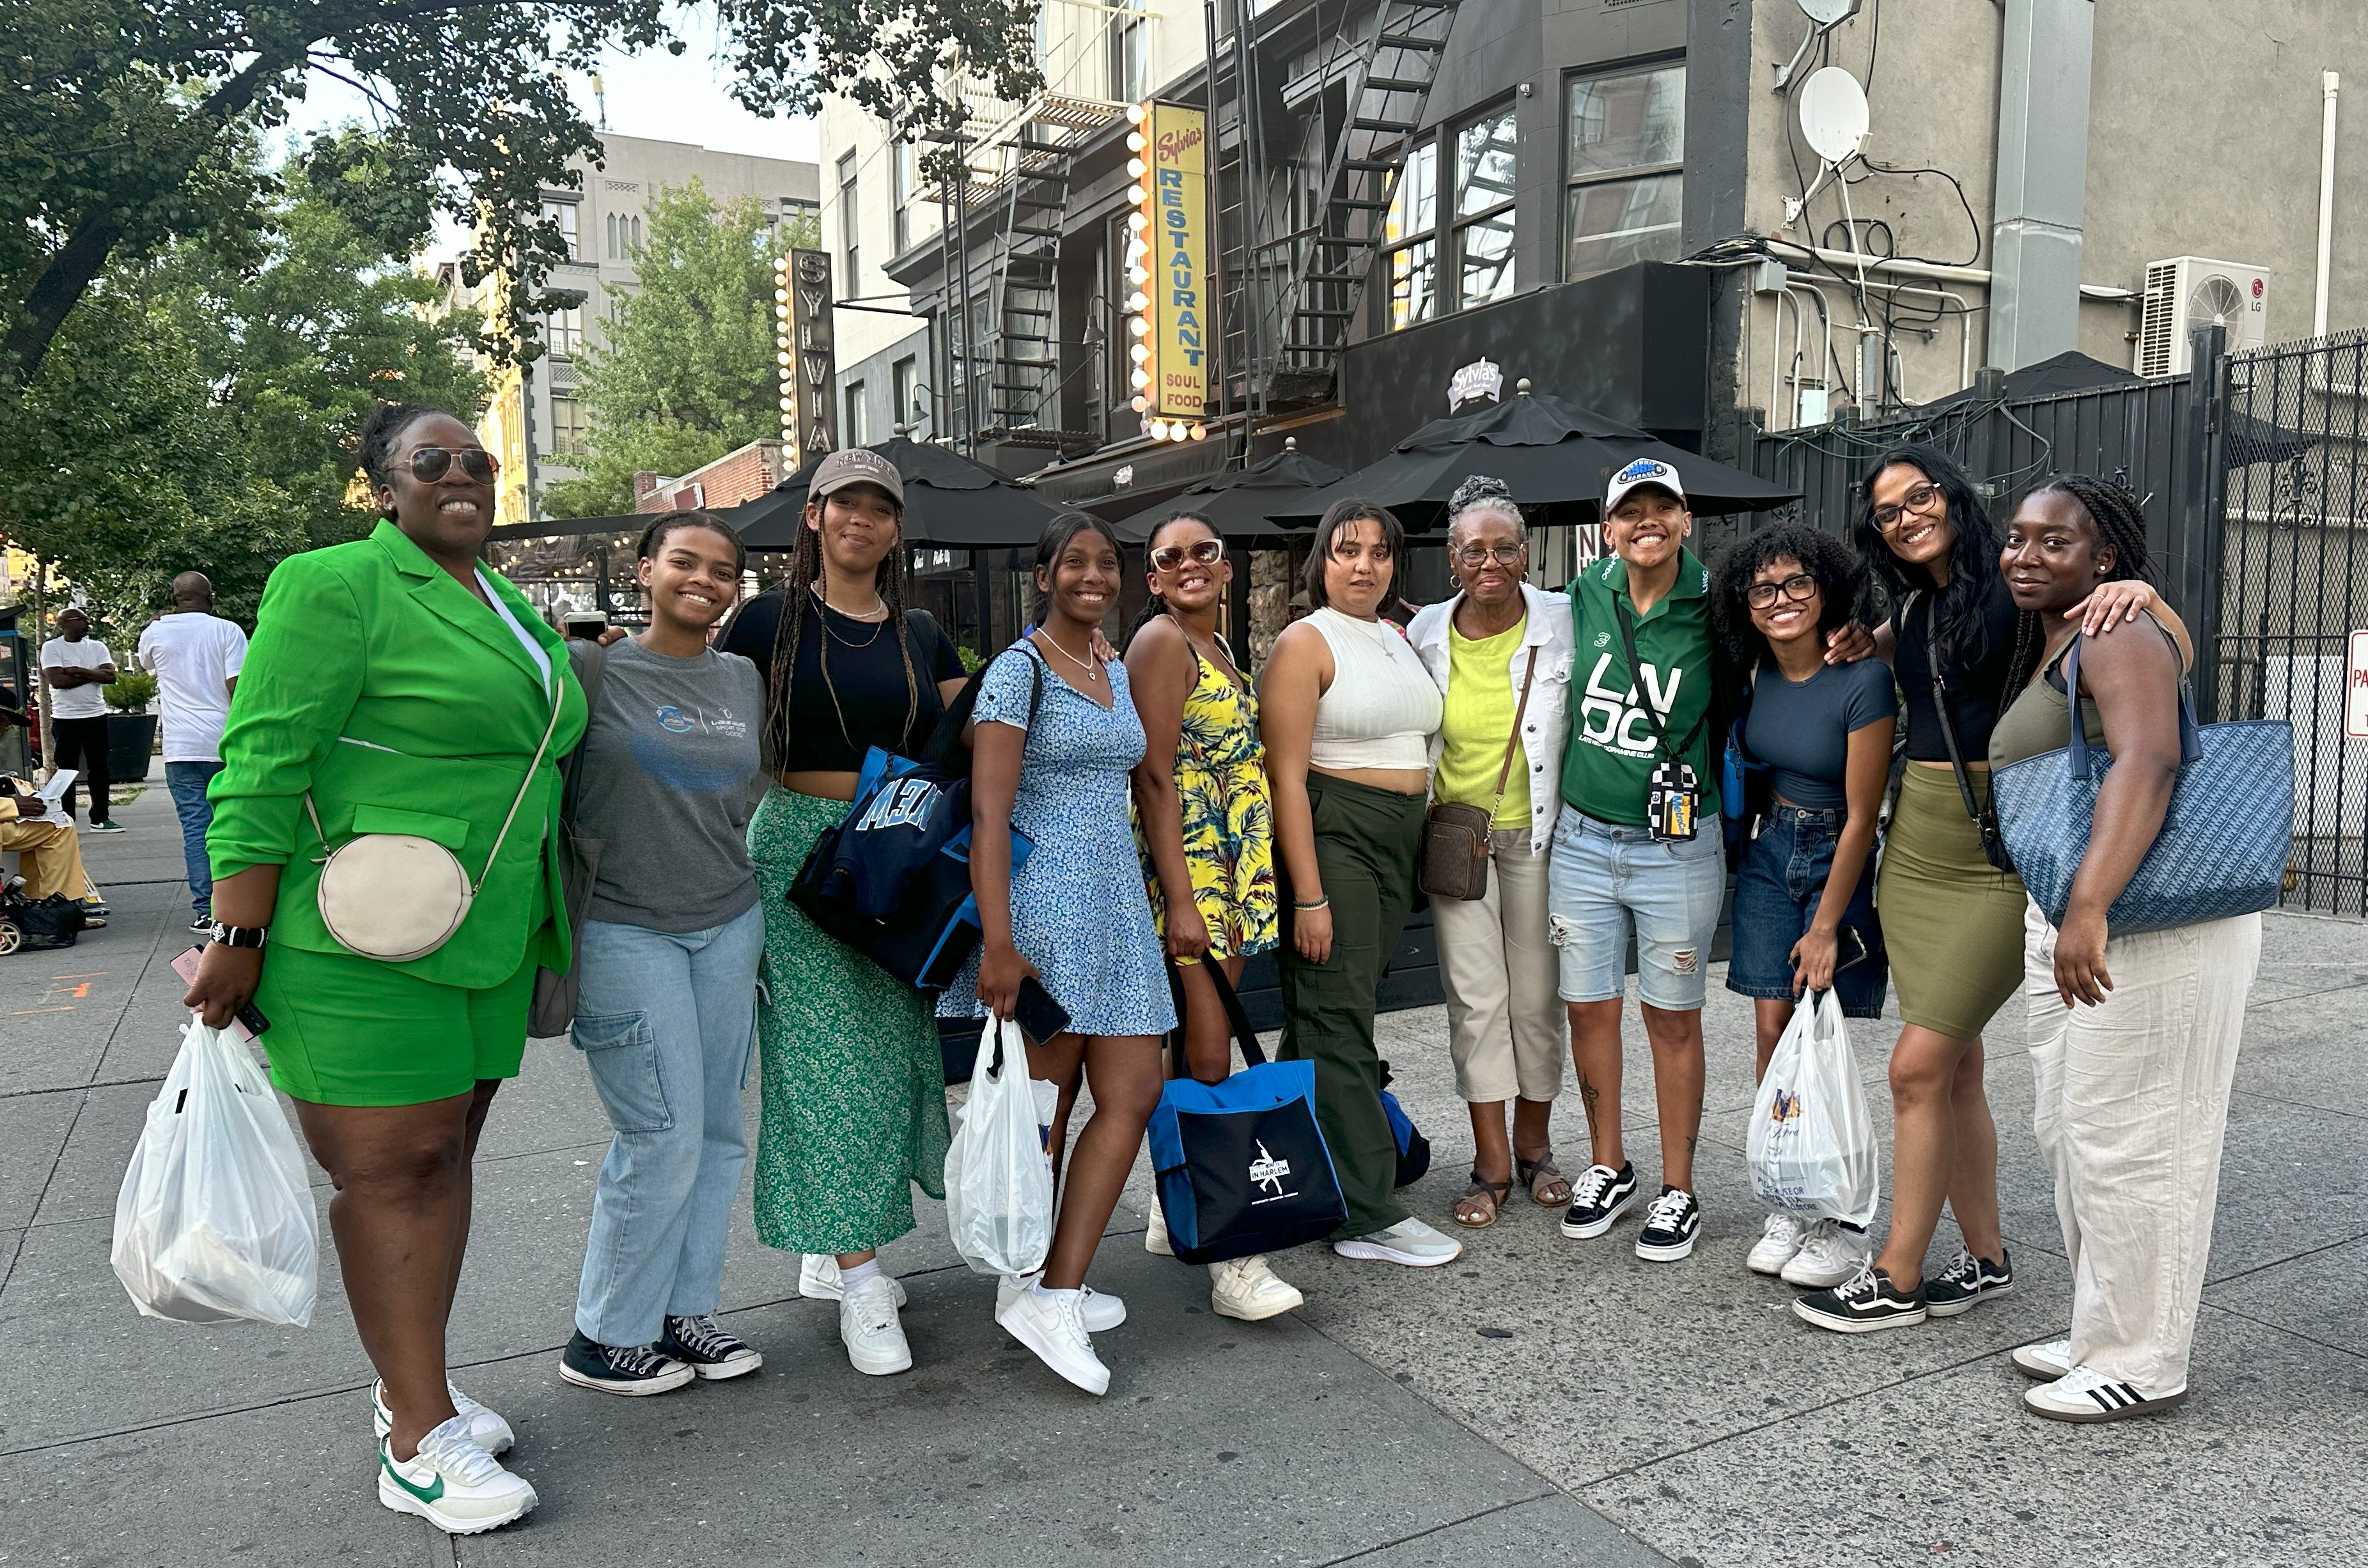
(856, 465)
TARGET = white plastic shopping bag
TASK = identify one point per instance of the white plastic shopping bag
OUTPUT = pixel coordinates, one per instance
(215, 1219)
(999, 1172)
(1812, 1144)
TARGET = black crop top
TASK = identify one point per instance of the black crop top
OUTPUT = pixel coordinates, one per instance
(867, 672)
(1976, 695)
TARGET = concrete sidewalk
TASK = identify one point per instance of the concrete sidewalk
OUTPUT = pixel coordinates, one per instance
(1539, 1401)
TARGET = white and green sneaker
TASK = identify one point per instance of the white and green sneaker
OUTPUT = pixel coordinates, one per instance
(452, 1483)
(492, 1433)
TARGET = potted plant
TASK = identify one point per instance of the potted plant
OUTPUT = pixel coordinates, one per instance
(131, 728)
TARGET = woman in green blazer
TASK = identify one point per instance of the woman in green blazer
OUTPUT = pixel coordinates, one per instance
(406, 689)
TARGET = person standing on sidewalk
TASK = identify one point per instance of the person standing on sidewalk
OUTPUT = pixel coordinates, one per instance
(396, 686)
(1501, 652)
(1348, 713)
(79, 667)
(666, 1004)
(195, 655)
(1205, 825)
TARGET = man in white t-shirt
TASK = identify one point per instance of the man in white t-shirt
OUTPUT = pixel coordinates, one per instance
(195, 656)
(79, 667)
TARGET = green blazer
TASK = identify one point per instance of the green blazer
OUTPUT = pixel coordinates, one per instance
(404, 705)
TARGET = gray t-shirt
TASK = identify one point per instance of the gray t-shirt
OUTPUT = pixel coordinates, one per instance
(1802, 729)
(664, 770)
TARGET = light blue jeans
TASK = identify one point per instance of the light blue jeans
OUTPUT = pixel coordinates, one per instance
(666, 1022)
(187, 781)
(1606, 881)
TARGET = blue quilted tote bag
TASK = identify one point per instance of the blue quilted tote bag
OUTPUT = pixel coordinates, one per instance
(2224, 843)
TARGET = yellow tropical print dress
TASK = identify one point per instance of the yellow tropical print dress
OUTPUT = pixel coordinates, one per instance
(1228, 818)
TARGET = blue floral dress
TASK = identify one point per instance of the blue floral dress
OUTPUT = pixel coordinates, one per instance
(1078, 910)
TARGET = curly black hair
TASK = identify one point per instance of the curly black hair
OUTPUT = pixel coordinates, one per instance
(381, 431)
(1841, 577)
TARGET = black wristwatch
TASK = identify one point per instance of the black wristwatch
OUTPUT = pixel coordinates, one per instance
(237, 936)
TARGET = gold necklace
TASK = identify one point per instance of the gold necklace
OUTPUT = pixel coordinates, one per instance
(879, 607)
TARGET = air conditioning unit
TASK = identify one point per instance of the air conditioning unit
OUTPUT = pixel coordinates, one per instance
(2187, 294)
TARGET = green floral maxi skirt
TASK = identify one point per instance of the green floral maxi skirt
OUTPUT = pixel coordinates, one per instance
(854, 1086)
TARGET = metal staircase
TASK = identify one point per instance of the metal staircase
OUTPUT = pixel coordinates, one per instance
(1295, 295)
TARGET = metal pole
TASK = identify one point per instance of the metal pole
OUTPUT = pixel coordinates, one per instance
(962, 254)
(1216, 199)
(40, 671)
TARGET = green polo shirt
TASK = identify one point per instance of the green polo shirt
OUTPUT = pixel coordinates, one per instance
(1607, 768)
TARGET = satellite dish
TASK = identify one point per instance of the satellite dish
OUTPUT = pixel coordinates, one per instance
(1833, 114)
(1830, 13)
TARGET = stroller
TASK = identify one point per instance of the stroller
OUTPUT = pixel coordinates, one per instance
(37, 924)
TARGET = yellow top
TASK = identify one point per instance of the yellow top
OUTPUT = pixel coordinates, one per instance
(1477, 721)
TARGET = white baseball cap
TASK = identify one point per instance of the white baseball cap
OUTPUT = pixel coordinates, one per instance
(1641, 470)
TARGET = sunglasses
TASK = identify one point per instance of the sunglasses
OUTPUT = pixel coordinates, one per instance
(430, 464)
(1915, 500)
(1201, 551)
(1797, 588)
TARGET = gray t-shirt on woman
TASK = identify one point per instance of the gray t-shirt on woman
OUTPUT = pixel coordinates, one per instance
(665, 772)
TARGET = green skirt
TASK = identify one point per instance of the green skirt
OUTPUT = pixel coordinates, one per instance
(1951, 922)
(854, 1086)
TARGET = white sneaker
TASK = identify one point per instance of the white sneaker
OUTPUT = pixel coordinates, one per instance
(818, 1280)
(451, 1482)
(1246, 1288)
(2082, 1394)
(2046, 1361)
(1155, 1234)
(1409, 1242)
(869, 1325)
(1101, 1313)
(1051, 1323)
(1778, 1241)
(1829, 1257)
(490, 1432)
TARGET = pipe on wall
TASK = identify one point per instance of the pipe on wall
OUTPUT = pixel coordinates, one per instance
(2042, 166)
(2330, 86)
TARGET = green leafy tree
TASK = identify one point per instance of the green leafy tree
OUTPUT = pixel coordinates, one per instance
(687, 372)
(123, 125)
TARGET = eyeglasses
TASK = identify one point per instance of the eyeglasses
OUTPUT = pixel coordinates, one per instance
(1797, 588)
(429, 465)
(1472, 557)
(1201, 551)
(1915, 500)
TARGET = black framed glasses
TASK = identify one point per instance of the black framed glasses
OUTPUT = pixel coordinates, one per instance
(430, 464)
(1472, 557)
(1201, 551)
(1915, 500)
(1797, 588)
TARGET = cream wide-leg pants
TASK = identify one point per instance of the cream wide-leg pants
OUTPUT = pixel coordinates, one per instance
(2132, 1105)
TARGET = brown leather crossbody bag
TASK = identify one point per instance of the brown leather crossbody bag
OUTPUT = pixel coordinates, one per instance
(1455, 836)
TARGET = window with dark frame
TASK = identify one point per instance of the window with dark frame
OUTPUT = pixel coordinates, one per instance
(563, 213)
(563, 332)
(1623, 192)
(857, 430)
(905, 386)
(850, 251)
(1129, 42)
(901, 157)
(566, 427)
(1411, 231)
(1486, 156)
(1450, 236)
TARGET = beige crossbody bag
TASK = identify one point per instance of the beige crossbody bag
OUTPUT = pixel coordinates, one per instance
(397, 896)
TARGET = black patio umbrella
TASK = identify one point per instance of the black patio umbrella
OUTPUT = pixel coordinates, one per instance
(1551, 453)
(950, 501)
(1239, 500)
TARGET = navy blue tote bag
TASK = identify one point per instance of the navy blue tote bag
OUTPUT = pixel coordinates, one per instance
(1242, 1165)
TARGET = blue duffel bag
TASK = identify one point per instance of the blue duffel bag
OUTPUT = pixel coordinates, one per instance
(1242, 1164)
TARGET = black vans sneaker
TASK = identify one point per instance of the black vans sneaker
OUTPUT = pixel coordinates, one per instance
(1671, 1226)
(621, 1369)
(1865, 1302)
(707, 1349)
(1968, 1281)
(1598, 1197)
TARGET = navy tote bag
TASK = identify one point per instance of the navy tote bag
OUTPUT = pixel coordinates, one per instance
(1242, 1165)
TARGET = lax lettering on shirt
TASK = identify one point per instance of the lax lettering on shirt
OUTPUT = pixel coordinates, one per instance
(1610, 717)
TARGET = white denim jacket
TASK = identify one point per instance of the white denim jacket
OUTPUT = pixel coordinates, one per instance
(1546, 728)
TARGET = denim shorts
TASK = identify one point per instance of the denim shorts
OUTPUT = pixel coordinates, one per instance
(1606, 880)
(1777, 890)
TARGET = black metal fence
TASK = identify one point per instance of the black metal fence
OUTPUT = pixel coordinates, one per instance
(2255, 487)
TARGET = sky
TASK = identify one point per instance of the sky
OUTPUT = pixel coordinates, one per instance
(664, 97)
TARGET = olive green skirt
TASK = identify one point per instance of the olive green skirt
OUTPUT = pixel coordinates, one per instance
(1951, 922)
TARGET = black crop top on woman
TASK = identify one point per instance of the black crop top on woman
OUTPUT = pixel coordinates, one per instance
(867, 675)
(1976, 695)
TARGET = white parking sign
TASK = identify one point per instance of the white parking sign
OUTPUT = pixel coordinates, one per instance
(2356, 690)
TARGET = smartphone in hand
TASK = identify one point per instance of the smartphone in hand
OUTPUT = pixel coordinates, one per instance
(1038, 1016)
(247, 1022)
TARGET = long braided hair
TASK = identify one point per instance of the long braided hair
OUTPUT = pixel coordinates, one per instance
(1156, 605)
(798, 593)
(2118, 518)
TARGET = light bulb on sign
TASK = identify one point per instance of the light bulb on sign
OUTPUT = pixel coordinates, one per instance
(780, 296)
(1137, 221)
(789, 406)
(1140, 353)
(1135, 167)
(1136, 113)
(1140, 197)
(1140, 379)
(1157, 430)
(1138, 301)
(1200, 433)
(1134, 141)
(1137, 325)
(1140, 404)
(1138, 276)
(786, 358)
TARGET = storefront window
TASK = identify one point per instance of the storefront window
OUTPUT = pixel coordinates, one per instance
(1624, 196)
(1484, 166)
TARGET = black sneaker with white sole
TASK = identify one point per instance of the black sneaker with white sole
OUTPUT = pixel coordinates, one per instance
(621, 1369)
(1598, 1197)
(1671, 1226)
(1862, 1303)
(1966, 1283)
(708, 1349)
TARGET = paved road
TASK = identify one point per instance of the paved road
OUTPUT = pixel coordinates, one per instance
(1537, 1402)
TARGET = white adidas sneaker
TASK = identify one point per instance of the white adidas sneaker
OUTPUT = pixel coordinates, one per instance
(2046, 1361)
(2081, 1394)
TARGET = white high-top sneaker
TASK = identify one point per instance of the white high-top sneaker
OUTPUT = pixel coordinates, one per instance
(1246, 1288)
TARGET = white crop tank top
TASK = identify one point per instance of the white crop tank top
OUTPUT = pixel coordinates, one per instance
(1382, 707)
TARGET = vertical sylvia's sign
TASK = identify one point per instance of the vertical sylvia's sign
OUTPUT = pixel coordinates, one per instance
(802, 315)
(1182, 303)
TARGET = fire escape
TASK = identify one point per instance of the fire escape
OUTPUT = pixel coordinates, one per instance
(1293, 297)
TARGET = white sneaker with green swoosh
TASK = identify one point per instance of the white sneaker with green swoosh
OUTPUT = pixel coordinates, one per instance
(453, 1483)
(493, 1433)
